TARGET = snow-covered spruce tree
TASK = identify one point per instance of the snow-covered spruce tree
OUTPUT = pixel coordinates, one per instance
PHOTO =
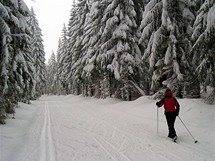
(119, 54)
(37, 51)
(62, 88)
(74, 56)
(151, 22)
(21, 59)
(91, 73)
(51, 68)
(68, 57)
(17, 71)
(203, 48)
(165, 41)
(5, 39)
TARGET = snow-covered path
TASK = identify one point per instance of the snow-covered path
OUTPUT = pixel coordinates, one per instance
(75, 128)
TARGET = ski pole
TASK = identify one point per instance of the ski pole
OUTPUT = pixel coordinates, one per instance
(195, 141)
(157, 120)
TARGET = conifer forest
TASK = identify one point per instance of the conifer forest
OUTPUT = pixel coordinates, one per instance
(110, 48)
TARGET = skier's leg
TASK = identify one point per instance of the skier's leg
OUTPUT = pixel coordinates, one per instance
(170, 117)
(168, 120)
(172, 122)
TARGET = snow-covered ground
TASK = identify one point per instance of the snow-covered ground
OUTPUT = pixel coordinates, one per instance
(76, 128)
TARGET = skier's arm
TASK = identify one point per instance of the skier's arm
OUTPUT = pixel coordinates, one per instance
(160, 103)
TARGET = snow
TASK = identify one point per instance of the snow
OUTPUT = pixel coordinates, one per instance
(129, 22)
(112, 21)
(23, 6)
(77, 128)
(210, 18)
(4, 12)
(188, 14)
(168, 56)
(120, 47)
(146, 32)
(119, 33)
(15, 3)
(157, 39)
(88, 68)
(149, 7)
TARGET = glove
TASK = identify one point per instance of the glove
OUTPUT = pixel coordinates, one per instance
(157, 103)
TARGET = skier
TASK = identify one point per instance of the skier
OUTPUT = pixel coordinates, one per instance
(172, 108)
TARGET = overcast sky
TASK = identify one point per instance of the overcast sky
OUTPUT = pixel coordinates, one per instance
(51, 14)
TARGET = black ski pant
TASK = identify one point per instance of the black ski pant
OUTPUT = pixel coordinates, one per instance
(170, 118)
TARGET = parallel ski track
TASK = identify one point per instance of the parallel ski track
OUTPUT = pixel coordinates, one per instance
(47, 150)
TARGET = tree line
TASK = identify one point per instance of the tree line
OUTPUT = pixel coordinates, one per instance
(129, 48)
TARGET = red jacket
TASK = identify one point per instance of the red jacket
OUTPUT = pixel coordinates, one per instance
(169, 102)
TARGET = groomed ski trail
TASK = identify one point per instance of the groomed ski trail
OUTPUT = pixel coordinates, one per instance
(76, 128)
(47, 149)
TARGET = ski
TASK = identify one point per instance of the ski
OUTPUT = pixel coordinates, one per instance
(174, 139)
